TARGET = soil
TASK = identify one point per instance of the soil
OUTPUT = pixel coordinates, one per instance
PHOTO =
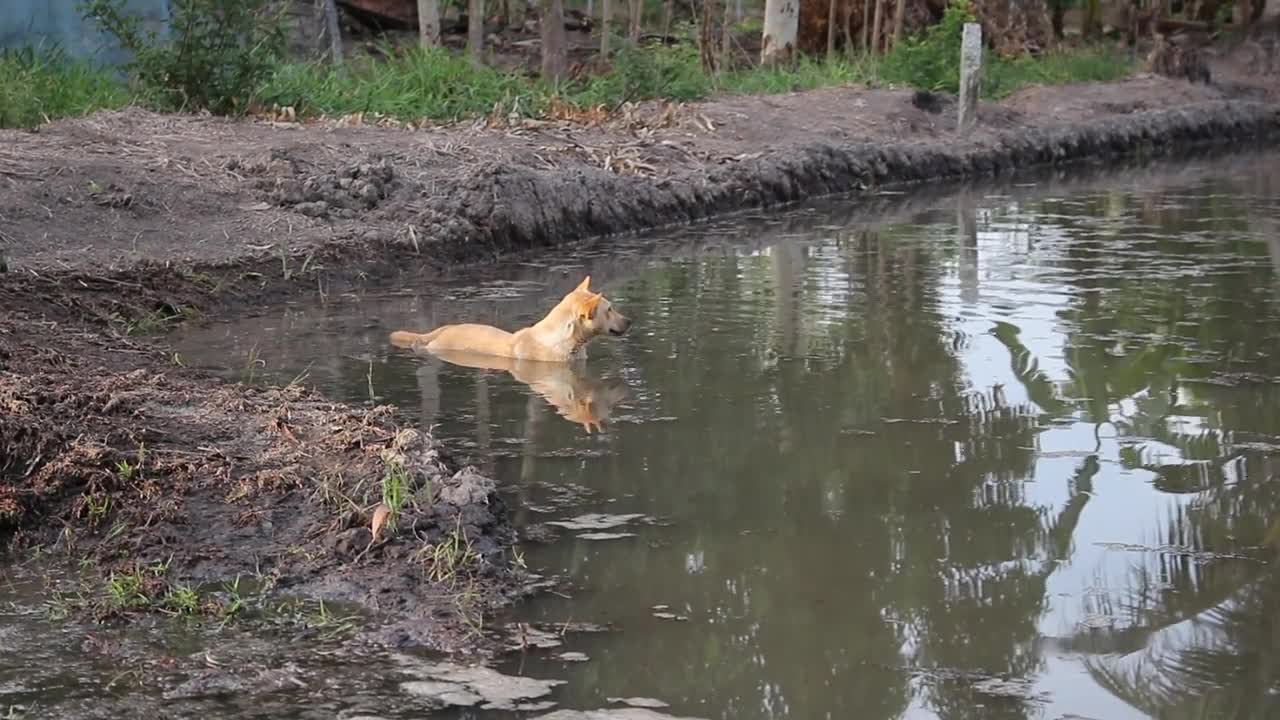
(121, 224)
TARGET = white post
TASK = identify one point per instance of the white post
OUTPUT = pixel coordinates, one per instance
(429, 22)
(970, 76)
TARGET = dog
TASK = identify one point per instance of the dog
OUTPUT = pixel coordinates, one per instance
(577, 395)
(560, 337)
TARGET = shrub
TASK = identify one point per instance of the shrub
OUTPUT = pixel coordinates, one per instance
(218, 53)
(931, 60)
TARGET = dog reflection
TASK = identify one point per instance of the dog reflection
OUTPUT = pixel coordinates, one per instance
(578, 395)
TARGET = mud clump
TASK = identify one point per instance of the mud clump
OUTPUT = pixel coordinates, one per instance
(345, 193)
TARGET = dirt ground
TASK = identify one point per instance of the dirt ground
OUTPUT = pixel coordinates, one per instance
(120, 225)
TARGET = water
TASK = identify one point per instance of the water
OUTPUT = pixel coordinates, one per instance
(1010, 452)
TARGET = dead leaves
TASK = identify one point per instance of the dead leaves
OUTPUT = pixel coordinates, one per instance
(380, 515)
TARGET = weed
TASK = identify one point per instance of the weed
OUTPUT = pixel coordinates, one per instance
(395, 489)
(152, 323)
(470, 610)
(40, 86)
(96, 508)
(181, 600)
(125, 470)
(330, 626)
(253, 361)
(235, 600)
(220, 51)
(450, 557)
(127, 591)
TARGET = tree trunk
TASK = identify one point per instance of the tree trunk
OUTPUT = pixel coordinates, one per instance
(475, 30)
(606, 20)
(1058, 10)
(429, 23)
(633, 31)
(331, 29)
(726, 35)
(709, 35)
(554, 57)
(1092, 17)
(831, 29)
(866, 27)
(668, 9)
(877, 24)
(781, 21)
(846, 15)
(898, 12)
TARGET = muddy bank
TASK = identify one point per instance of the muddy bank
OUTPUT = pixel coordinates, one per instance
(171, 491)
(198, 214)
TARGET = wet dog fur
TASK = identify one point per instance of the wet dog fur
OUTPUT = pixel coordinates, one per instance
(561, 336)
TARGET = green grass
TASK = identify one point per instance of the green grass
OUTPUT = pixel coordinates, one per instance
(36, 88)
(437, 85)
(1003, 77)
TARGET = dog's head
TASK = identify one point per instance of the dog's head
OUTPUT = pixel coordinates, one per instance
(594, 314)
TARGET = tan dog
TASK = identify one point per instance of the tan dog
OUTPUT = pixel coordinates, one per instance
(577, 395)
(561, 336)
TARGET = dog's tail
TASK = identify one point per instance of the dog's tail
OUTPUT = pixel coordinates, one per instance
(403, 339)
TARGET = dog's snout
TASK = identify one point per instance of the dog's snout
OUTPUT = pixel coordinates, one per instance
(622, 325)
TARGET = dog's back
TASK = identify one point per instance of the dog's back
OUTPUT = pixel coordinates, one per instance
(466, 338)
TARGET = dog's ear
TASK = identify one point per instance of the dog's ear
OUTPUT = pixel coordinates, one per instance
(585, 284)
(588, 306)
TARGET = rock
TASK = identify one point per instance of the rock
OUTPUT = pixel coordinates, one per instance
(316, 209)
(604, 535)
(639, 702)
(451, 685)
(596, 521)
(467, 487)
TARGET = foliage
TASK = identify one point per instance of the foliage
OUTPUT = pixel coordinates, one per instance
(219, 52)
(417, 83)
(227, 58)
(640, 73)
(36, 87)
(1001, 77)
(931, 60)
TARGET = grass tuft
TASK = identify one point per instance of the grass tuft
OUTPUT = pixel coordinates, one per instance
(37, 87)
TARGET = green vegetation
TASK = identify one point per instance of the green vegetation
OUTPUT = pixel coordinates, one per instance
(931, 61)
(220, 52)
(395, 489)
(205, 67)
(37, 87)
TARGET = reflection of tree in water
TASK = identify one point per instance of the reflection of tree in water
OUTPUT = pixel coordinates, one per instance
(915, 536)
(1162, 307)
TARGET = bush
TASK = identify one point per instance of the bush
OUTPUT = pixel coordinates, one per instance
(220, 51)
(37, 87)
(931, 60)
(645, 73)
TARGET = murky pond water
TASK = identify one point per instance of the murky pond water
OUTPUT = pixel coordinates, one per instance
(1011, 452)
